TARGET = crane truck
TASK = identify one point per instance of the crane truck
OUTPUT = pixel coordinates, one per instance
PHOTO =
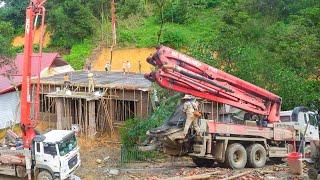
(259, 137)
(53, 155)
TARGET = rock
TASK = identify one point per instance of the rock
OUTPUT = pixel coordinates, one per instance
(270, 178)
(106, 158)
(99, 161)
(74, 177)
(106, 171)
(114, 172)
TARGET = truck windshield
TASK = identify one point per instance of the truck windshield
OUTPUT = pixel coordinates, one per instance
(67, 145)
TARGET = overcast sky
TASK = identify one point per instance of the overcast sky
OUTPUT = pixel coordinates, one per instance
(1, 4)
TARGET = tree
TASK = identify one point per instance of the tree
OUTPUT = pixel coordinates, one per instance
(6, 35)
(70, 22)
(273, 44)
(14, 12)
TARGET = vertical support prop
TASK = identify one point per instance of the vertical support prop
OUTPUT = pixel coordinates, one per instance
(92, 120)
(60, 112)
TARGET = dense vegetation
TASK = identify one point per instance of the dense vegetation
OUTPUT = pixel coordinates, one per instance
(272, 43)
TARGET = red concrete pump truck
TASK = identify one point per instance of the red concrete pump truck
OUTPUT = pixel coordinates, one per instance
(53, 155)
(259, 136)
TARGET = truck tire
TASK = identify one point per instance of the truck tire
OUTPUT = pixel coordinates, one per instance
(44, 175)
(313, 174)
(257, 155)
(200, 162)
(21, 171)
(236, 156)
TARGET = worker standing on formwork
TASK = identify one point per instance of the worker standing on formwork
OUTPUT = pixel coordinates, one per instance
(191, 108)
(107, 67)
(140, 67)
(126, 65)
(66, 81)
(90, 82)
(314, 171)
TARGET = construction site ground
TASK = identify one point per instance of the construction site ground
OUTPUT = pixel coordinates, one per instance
(101, 160)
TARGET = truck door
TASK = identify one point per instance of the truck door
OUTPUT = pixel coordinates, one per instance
(47, 156)
(38, 152)
(313, 129)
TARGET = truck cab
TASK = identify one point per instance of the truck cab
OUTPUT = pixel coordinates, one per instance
(300, 117)
(55, 155)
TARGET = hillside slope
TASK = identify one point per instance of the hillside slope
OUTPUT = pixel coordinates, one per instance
(133, 55)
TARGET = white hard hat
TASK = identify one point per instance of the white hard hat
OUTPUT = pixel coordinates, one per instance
(188, 96)
(90, 75)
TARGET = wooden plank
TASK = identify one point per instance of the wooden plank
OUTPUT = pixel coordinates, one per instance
(92, 120)
(60, 112)
(198, 176)
(238, 175)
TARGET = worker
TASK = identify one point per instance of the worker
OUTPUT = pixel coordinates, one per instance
(107, 67)
(191, 108)
(66, 81)
(314, 172)
(87, 67)
(140, 67)
(126, 65)
(91, 82)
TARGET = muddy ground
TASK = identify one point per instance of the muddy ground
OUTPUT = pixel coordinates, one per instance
(101, 160)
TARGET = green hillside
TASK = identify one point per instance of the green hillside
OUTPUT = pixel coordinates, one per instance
(270, 43)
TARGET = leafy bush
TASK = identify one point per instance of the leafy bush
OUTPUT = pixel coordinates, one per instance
(78, 54)
(134, 130)
(70, 22)
(125, 8)
(6, 35)
(173, 38)
(177, 12)
(139, 34)
(14, 12)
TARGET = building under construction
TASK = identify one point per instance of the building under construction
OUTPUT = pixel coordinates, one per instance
(116, 98)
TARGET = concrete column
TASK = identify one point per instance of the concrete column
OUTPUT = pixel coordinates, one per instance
(92, 120)
(60, 112)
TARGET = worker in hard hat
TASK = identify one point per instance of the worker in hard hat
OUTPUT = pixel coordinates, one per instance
(107, 67)
(66, 81)
(191, 108)
(90, 82)
(126, 65)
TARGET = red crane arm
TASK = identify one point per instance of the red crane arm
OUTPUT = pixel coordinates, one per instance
(184, 74)
(27, 123)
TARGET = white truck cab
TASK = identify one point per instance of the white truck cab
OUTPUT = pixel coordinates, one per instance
(55, 155)
(300, 117)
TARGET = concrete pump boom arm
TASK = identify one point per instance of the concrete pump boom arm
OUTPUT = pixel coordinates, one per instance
(28, 120)
(184, 74)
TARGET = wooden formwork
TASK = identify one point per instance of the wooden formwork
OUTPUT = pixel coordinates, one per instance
(93, 114)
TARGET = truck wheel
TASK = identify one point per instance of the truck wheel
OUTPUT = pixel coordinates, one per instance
(200, 162)
(21, 171)
(257, 156)
(44, 175)
(312, 174)
(236, 156)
